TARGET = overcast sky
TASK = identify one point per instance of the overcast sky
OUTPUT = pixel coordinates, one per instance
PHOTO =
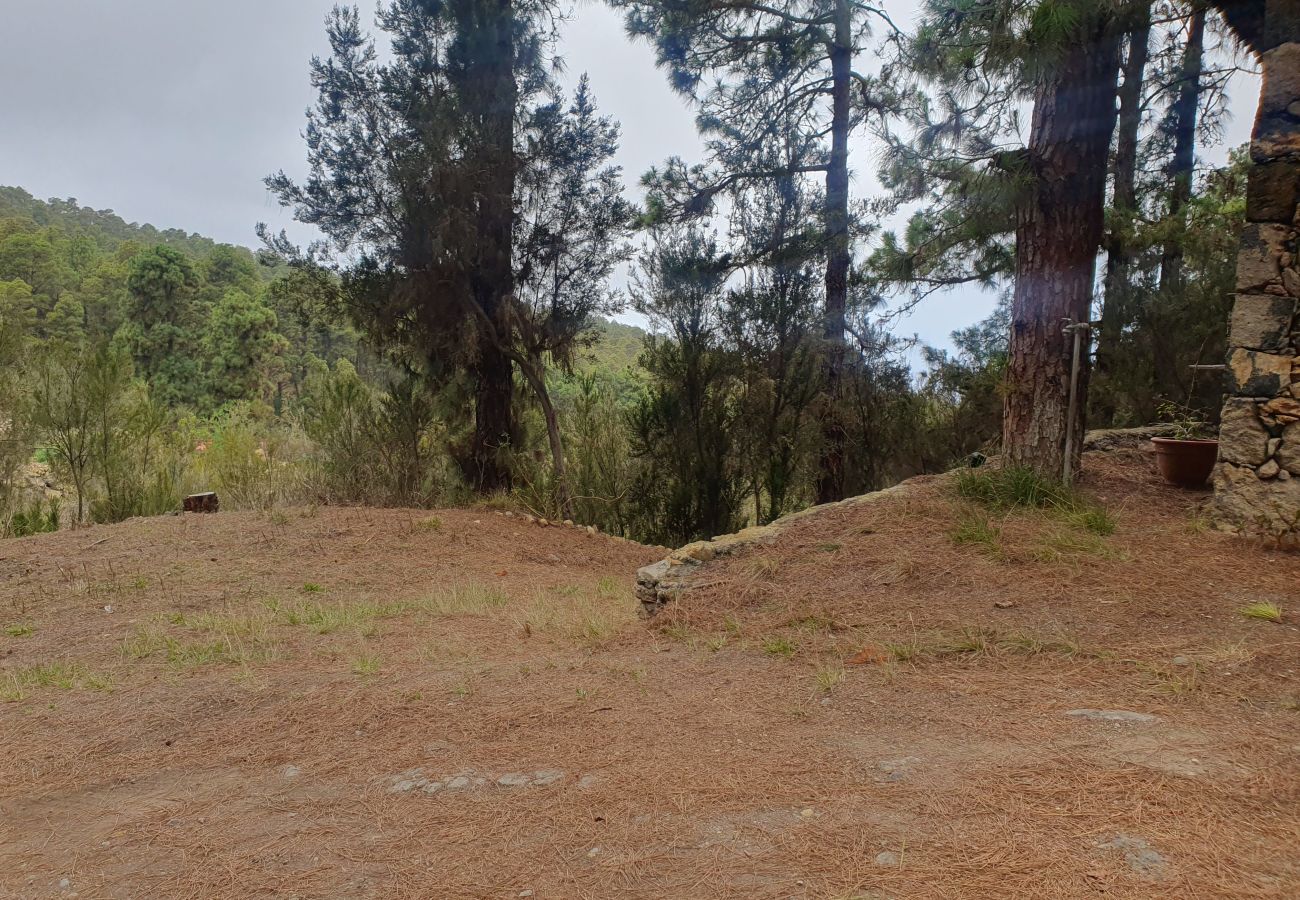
(171, 112)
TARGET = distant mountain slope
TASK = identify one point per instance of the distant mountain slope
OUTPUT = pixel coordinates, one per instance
(107, 229)
(616, 350)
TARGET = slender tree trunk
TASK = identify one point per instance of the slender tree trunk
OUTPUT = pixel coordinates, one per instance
(533, 373)
(494, 282)
(830, 477)
(1058, 231)
(1119, 253)
(1182, 122)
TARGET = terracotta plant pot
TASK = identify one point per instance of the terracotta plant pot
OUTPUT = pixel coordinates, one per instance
(1186, 463)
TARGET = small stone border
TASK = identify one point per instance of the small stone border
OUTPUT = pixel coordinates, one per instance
(661, 583)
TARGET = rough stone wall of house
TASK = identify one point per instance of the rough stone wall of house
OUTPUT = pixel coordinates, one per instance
(1257, 480)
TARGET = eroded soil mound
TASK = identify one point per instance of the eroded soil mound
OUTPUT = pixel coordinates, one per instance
(907, 699)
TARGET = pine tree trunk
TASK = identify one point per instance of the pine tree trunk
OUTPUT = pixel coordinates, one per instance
(1119, 253)
(830, 477)
(1058, 231)
(497, 94)
(1182, 166)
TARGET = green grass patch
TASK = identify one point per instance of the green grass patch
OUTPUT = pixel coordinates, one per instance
(19, 629)
(210, 639)
(776, 645)
(974, 529)
(60, 675)
(1017, 487)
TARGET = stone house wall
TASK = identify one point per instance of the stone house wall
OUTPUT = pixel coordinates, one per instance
(1257, 480)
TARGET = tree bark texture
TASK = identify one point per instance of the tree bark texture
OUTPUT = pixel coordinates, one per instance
(1058, 231)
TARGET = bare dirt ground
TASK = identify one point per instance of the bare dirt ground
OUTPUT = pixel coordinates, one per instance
(362, 703)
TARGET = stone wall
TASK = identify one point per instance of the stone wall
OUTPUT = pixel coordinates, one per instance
(1257, 481)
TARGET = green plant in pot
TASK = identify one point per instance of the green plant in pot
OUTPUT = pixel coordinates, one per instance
(1186, 457)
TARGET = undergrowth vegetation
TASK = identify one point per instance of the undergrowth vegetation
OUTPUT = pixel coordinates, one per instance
(989, 497)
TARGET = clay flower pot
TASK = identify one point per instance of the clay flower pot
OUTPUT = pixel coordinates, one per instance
(1186, 463)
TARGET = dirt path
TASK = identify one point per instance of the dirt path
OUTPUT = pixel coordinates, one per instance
(358, 703)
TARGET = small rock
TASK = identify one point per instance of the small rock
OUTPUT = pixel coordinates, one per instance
(887, 858)
(1139, 855)
(1003, 604)
(807, 813)
(1270, 469)
(458, 783)
(592, 531)
(525, 893)
(1113, 715)
(1283, 475)
(291, 771)
(568, 523)
(588, 781)
(515, 779)
(543, 522)
(401, 787)
(898, 769)
(1181, 661)
(593, 852)
(547, 776)
(108, 609)
(64, 884)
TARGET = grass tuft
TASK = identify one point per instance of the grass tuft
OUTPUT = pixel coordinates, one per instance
(830, 676)
(1265, 611)
(19, 629)
(366, 664)
(974, 529)
(775, 645)
(1017, 487)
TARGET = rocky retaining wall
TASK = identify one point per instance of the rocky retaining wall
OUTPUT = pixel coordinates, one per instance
(664, 581)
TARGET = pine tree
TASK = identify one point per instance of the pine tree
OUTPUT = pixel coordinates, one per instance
(989, 57)
(484, 215)
(413, 167)
(764, 73)
(162, 323)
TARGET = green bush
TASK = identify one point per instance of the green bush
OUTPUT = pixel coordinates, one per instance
(38, 518)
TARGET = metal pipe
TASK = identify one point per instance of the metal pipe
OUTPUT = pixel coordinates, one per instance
(1078, 328)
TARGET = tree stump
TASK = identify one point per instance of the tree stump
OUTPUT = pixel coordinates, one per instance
(202, 503)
